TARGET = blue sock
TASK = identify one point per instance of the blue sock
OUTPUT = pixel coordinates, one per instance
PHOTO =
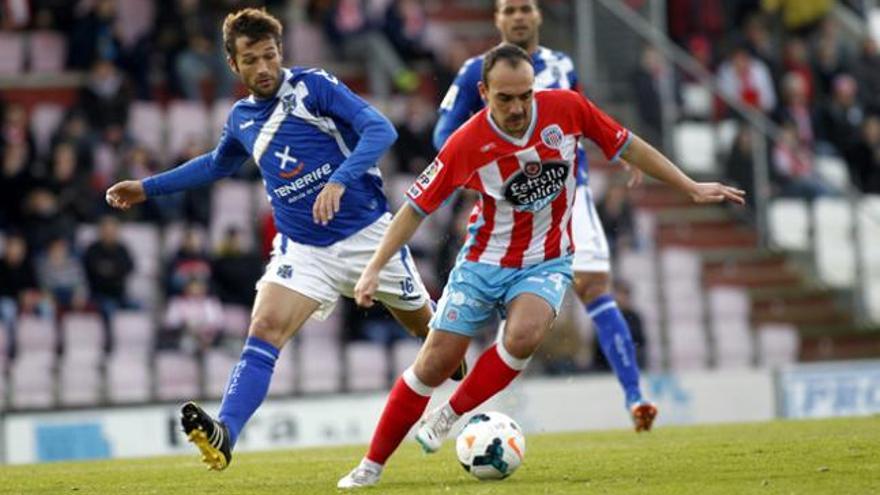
(248, 385)
(617, 345)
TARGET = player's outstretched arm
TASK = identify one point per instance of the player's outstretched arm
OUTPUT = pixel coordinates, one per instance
(644, 156)
(402, 228)
(194, 173)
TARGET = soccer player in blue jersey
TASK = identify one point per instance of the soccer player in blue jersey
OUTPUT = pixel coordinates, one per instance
(316, 144)
(518, 22)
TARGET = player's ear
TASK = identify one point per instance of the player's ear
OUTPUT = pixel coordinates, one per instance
(484, 91)
(230, 61)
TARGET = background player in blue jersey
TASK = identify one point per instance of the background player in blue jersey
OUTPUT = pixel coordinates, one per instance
(518, 22)
(316, 144)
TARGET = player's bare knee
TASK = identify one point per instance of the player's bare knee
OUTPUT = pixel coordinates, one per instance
(522, 339)
(590, 285)
(268, 327)
(434, 368)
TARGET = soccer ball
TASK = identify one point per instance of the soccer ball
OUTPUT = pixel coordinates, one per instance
(491, 446)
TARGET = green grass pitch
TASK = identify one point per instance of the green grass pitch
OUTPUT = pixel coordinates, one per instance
(840, 456)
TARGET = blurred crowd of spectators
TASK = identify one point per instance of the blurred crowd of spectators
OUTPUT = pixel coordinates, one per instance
(790, 61)
(824, 94)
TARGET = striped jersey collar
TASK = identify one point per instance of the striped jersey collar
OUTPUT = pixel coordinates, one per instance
(521, 141)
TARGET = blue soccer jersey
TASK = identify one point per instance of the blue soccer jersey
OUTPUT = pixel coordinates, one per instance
(553, 70)
(314, 130)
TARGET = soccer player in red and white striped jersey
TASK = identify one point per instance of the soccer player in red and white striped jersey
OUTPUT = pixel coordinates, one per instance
(519, 154)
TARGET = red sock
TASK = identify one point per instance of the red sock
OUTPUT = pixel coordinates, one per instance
(403, 408)
(489, 376)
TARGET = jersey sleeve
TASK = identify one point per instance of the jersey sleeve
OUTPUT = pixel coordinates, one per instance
(595, 125)
(332, 97)
(461, 101)
(443, 177)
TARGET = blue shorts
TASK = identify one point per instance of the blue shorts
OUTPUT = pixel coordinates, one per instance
(476, 291)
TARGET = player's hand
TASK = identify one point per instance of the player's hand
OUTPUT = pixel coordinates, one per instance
(125, 194)
(714, 192)
(635, 174)
(366, 287)
(327, 202)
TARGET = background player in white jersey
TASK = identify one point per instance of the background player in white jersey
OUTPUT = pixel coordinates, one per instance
(520, 156)
(316, 144)
(518, 21)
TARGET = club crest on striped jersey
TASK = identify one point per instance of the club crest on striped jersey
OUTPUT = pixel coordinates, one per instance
(536, 184)
(552, 136)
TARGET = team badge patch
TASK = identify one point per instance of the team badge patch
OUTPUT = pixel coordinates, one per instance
(285, 271)
(552, 136)
(532, 169)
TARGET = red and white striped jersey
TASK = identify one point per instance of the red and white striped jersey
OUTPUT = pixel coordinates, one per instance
(526, 185)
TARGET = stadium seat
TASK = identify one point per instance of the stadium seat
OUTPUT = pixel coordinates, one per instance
(834, 172)
(726, 132)
(320, 365)
(35, 335)
(236, 320)
(187, 122)
(177, 376)
(83, 337)
(729, 313)
(232, 206)
(12, 48)
(733, 344)
(263, 205)
(217, 366)
(173, 234)
(871, 297)
(789, 223)
(32, 381)
(146, 123)
(835, 257)
(695, 147)
(284, 378)
(403, 354)
(79, 383)
(47, 52)
(133, 332)
(636, 265)
(309, 43)
(45, 119)
(687, 345)
(778, 344)
(366, 366)
(681, 262)
(219, 113)
(869, 228)
(145, 290)
(134, 19)
(3, 390)
(697, 101)
(4, 346)
(142, 241)
(128, 377)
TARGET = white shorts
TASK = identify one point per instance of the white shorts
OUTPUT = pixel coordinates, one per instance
(325, 273)
(591, 249)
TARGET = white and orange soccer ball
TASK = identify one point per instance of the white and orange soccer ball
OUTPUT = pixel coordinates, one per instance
(491, 446)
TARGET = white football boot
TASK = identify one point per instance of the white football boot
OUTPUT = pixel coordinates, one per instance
(435, 428)
(367, 473)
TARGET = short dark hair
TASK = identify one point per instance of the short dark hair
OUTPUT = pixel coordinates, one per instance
(508, 52)
(533, 2)
(256, 24)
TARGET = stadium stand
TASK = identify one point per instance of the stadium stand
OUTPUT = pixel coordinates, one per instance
(711, 291)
